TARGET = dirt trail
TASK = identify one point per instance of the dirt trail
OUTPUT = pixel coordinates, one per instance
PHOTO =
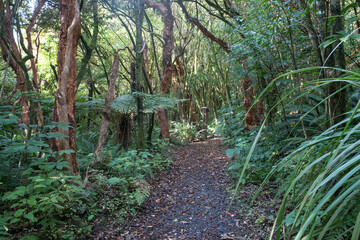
(190, 200)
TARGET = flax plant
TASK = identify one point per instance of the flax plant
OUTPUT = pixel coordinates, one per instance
(323, 181)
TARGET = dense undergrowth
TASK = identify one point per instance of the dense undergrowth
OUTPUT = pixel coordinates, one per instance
(314, 164)
(41, 199)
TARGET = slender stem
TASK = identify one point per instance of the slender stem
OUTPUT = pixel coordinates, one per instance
(4, 80)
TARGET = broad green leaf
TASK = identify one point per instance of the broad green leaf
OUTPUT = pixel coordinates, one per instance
(14, 220)
(66, 152)
(58, 206)
(31, 217)
(32, 201)
(19, 212)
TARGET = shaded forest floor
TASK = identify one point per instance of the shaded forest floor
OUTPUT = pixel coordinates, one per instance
(190, 200)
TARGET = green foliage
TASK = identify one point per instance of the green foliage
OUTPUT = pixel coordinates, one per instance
(93, 104)
(231, 123)
(266, 36)
(267, 154)
(120, 185)
(270, 147)
(127, 102)
(182, 132)
(132, 164)
(49, 202)
(43, 201)
(322, 180)
(124, 104)
(39, 196)
(137, 165)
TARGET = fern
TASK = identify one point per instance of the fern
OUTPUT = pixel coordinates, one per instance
(124, 104)
(127, 103)
(142, 191)
(156, 101)
(94, 104)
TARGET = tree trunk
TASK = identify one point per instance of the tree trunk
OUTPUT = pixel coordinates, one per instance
(105, 121)
(123, 131)
(192, 110)
(10, 49)
(34, 69)
(313, 35)
(64, 109)
(89, 47)
(168, 68)
(338, 101)
(147, 75)
(252, 115)
(180, 76)
(139, 9)
(328, 58)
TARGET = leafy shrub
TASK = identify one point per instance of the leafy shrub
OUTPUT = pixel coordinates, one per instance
(51, 202)
(267, 153)
(120, 183)
(231, 123)
(40, 198)
(182, 132)
(133, 167)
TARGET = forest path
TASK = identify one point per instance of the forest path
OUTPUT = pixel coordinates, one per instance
(190, 200)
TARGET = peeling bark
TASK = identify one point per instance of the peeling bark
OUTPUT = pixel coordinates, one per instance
(105, 121)
(168, 67)
(64, 109)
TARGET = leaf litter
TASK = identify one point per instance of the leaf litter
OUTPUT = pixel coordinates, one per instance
(190, 200)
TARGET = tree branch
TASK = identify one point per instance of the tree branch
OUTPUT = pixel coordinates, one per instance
(203, 29)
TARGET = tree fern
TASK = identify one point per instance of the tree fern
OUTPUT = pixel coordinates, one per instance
(127, 102)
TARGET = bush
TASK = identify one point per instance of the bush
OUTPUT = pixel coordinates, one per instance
(182, 132)
(40, 199)
(120, 182)
(50, 203)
